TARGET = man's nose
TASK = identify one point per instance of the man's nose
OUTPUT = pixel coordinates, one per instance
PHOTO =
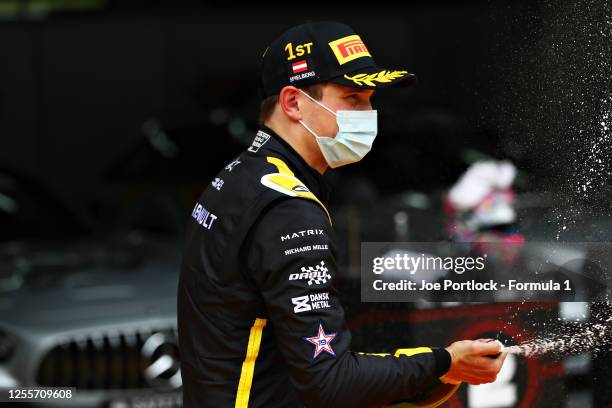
(366, 106)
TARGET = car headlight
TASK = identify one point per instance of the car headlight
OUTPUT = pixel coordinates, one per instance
(8, 343)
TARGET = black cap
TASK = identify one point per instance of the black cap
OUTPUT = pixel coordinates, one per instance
(324, 51)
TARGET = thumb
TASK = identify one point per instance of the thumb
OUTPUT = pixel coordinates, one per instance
(488, 348)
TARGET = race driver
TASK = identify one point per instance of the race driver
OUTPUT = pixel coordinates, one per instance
(259, 320)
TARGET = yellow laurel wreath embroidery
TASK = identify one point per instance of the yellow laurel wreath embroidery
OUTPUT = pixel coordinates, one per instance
(382, 76)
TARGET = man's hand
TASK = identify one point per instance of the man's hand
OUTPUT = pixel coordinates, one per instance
(474, 362)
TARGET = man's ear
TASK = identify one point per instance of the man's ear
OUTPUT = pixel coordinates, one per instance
(289, 102)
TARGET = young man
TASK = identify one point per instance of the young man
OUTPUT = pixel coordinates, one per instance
(260, 324)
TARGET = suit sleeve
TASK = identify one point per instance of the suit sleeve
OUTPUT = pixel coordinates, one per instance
(290, 256)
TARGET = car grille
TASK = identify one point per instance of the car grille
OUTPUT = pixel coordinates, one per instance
(107, 361)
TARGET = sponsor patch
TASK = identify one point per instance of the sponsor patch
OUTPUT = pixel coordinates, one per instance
(316, 275)
(203, 217)
(260, 139)
(233, 164)
(314, 301)
(302, 233)
(217, 183)
(348, 48)
(306, 248)
(322, 342)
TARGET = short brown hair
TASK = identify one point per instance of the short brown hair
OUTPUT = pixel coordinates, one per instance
(268, 104)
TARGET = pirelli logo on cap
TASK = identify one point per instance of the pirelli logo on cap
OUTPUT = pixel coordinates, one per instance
(348, 48)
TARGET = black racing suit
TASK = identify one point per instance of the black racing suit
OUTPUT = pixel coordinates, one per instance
(259, 320)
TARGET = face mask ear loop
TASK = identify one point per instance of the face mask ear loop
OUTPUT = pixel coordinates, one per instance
(308, 129)
(318, 103)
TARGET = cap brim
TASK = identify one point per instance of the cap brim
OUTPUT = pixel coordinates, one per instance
(375, 78)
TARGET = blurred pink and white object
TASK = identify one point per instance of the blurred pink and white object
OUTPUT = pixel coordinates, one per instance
(480, 205)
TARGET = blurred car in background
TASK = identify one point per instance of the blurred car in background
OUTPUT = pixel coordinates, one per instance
(95, 307)
(81, 308)
(153, 184)
(28, 208)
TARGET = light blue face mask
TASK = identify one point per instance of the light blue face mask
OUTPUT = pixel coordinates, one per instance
(357, 130)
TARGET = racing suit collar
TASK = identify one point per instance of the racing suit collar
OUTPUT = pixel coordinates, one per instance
(315, 182)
